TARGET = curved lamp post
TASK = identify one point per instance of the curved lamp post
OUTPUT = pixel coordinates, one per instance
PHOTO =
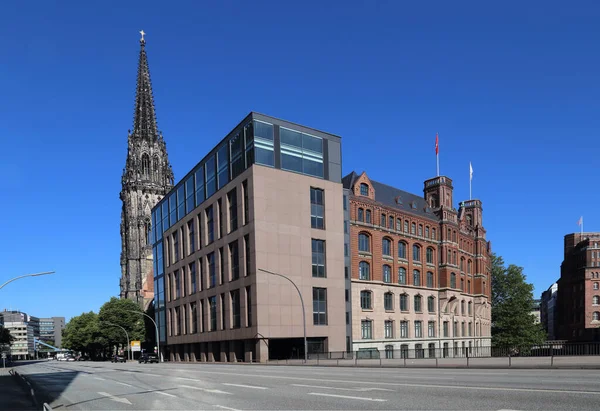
(126, 334)
(156, 327)
(303, 311)
(26, 275)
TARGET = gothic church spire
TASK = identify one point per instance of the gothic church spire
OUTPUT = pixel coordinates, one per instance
(144, 117)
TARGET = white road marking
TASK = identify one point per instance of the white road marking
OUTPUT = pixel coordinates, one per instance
(206, 389)
(112, 397)
(342, 388)
(153, 375)
(98, 378)
(347, 397)
(186, 379)
(395, 384)
(165, 393)
(123, 383)
(226, 408)
(256, 387)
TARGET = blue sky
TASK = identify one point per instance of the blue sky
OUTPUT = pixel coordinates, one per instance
(512, 87)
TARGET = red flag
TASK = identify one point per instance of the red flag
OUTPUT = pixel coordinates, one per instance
(437, 145)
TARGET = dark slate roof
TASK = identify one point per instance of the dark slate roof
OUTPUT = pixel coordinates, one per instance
(387, 195)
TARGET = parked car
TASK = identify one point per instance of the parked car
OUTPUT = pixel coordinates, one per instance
(146, 358)
(117, 358)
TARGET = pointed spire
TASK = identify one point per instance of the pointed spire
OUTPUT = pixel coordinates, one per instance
(144, 117)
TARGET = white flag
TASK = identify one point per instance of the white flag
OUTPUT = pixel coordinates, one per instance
(580, 221)
(470, 171)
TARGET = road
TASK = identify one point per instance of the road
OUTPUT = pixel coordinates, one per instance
(193, 386)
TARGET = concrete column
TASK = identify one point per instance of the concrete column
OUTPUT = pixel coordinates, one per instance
(248, 350)
(232, 344)
(262, 351)
(203, 349)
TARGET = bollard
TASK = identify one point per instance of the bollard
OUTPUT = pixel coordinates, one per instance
(467, 359)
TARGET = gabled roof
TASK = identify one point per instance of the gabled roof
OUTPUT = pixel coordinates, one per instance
(395, 198)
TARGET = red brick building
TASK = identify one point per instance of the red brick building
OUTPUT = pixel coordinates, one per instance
(419, 269)
(578, 309)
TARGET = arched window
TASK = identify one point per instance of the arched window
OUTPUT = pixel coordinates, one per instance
(469, 264)
(401, 275)
(368, 216)
(462, 264)
(454, 236)
(413, 228)
(452, 280)
(469, 286)
(155, 167)
(401, 249)
(365, 300)
(595, 300)
(420, 230)
(361, 215)
(449, 234)
(595, 286)
(462, 284)
(418, 307)
(386, 247)
(416, 278)
(145, 165)
(416, 253)
(596, 316)
(383, 220)
(429, 279)
(454, 258)
(403, 302)
(387, 273)
(364, 271)
(449, 261)
(364, 189)
(470, 307)
(429, 255)
(391, 222)
(398, 224)
(433, 233)
(431, 304)
(364, 243)
(405, 226)
(426, 231)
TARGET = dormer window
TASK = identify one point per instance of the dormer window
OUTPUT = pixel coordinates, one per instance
(364, 189)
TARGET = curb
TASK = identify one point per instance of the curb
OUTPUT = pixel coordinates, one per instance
(36, 399)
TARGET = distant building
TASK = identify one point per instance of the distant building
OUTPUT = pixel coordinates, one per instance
(24, 328)
(548, 311)
(579, 288)
(536, 310)
(51, 330)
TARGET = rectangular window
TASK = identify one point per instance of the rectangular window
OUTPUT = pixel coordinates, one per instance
(317, 208)
(222, 265)
(194, 317)
(470, 329)
(235, 309)
(175, 247)
(220, 213)
(431, 304)
(212, 274)
(232, 201)
(431, 329)
(201, 282)
(211, 176)
(403, 302)
(318, 258)
(223, 313)
(189, 194)
(177, 284)
(388, 301)
(212, 302)
(199, 179)
(263, 144)
(445, 328)
(180, 202)
(223, 165)
(183, 282)
(246, 205)
(383, 220)
(236, 148)
(191, 236)
(389, 329)
(247, 253)
(366, 327)
(202, 317)
(301, 152)
(193, 277)
(248, 306)
(319, 306)
(418, 329)
(210, 225)
(403, 329)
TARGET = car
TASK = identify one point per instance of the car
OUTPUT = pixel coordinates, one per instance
(146, 358)
(118, 358)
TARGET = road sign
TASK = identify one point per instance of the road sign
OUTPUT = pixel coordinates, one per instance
(136, 346)
(3, 355)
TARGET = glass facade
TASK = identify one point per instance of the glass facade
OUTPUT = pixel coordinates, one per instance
(254, 141)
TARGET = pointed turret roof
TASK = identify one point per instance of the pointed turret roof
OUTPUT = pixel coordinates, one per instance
(144, 117)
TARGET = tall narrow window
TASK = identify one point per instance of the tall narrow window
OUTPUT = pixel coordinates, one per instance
(364, 189)
(247, 253)
(249, 306)
(234, 258)
(319, 306)
(388, 301)
(220, 213)
(361, 215)
(431, 304)
(365, 300)
(430, 256)
(246, 205)
(364, 244)
(386, 247)
(387, 273)
(452, 280)
(368, 216)
(177, 284)
(383, 220)
(210, 225)
(413, 228)
(420, 230)
(366, 327)
(317, 208)
(391, 222)
(232, 201)
(235, 309)
(212, 302)
(223, 312)
(194, 317)
(222, 265)
(401, 275)
(401, 249)
(418, 300)
(429, 279)
(191, 236)
(431, 329)
(388, 328)
(416, 278)
(403, 302)
(201, 279)
(364, 271)
(404, 329)
(212, 273)
(176, 246)
(318, 258)
(418, 329)
(416, 253)
(193, 277)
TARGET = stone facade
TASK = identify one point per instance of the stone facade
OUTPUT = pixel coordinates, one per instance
(420, 270)
(147, 177)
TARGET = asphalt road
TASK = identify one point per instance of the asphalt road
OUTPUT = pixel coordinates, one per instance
(201, 386)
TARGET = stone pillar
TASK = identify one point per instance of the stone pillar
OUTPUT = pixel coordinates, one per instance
(248, 350)
(232, 344)
(262, 351)
(203, 350)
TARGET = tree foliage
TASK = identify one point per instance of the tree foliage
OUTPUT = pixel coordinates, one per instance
(124, 313)
(82, 333)
(513, 325)
(5, 336)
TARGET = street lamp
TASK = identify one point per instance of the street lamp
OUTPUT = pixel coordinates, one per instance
(156, 327)
(126, 334)
(26, 275)
(303, 312)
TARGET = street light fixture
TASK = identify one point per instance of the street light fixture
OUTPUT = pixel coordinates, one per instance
(27, 275)
(126, 334)
(303, 312)
(156, 327)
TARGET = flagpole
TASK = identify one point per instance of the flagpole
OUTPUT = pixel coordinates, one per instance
(437, 158)
(581, 226)
(437, 153)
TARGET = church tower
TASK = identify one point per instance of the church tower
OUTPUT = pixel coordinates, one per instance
(147, 177)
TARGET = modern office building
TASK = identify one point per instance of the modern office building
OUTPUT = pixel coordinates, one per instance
(536, 310)
(267, 197)
(579, 288)
(51, 330)
(420, 270)
(24, 328)
(548, 311)
(147, 177)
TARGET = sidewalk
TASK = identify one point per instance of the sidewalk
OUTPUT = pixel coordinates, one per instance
(13, 395)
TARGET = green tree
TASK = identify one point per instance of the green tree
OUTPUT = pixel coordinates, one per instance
(5, 336)
(125, 313)
(82, 333)
(513, 325)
